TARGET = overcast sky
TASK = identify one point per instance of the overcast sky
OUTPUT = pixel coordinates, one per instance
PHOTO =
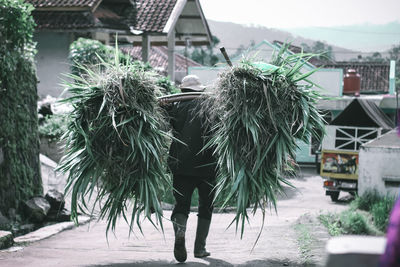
(302, 13)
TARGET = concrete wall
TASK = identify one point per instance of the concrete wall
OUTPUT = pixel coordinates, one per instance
(330, 81)
(51, 61)
(303, 153)
(377, 164)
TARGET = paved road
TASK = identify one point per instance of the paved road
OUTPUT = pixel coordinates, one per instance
(278, 245)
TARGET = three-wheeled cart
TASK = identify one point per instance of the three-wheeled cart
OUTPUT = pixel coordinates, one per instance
(360, 122)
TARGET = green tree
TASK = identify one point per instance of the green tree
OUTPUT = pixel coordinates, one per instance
(205, 55)
(375, 57)
(394, 54)
(324, 52)
(241, 49)
(19, 139)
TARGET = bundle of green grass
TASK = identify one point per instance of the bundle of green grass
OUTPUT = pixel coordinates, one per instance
(262, 110)
(116, 143)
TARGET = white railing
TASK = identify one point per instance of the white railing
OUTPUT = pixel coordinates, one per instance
(353, 137)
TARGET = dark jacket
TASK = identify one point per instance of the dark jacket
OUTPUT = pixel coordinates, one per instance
(192, 130)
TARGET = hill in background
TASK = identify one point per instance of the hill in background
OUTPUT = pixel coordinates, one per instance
(364, 37)
(233, 36)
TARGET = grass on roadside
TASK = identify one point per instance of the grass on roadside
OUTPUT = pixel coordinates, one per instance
(305, 240)
(348, 222)
(367, 215)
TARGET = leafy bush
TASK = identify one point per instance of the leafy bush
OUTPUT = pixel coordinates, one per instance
(353, 222)
(378, 206)
(87, 52)
(167, 85)
(346, 222)
(366, 201)
(331, 222)
(54, 126)
(381, 211)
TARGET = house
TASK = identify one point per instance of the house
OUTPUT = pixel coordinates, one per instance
(374, 75)
(158, 59)
(143, 23)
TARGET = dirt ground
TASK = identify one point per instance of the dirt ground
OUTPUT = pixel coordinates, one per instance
(292, 237)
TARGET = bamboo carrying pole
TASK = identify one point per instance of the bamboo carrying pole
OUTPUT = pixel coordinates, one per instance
(179, 97)
(228, 61)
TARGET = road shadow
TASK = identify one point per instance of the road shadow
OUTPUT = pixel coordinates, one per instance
(306, 171)
(209, 261)
(301, 173)
(288, 193)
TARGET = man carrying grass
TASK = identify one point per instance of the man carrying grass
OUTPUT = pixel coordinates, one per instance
(192, 167)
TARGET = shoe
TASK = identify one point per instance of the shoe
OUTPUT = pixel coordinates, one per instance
(203, 226)
(179, 223)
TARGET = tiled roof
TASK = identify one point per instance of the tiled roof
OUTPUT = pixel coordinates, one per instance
(64, 20)
(81, 14)
(374, 76)
(158, 58)
(153, 15)
(142, 15)
(63, 3)
(102, 17)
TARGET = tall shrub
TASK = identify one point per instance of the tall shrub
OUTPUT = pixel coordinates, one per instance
(20, 168)
(91, 53)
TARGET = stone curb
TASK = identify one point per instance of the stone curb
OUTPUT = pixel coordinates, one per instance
(48, 231)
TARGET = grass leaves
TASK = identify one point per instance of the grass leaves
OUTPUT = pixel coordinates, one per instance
(261, 112)
(116, 144)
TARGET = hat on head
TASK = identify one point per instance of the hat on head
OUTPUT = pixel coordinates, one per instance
(192, 82)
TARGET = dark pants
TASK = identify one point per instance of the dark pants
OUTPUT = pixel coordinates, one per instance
(183, 190)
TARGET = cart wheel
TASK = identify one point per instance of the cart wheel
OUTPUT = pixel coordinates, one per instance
(334, 196)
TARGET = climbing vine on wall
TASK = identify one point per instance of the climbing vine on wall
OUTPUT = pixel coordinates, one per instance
(20, 167)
